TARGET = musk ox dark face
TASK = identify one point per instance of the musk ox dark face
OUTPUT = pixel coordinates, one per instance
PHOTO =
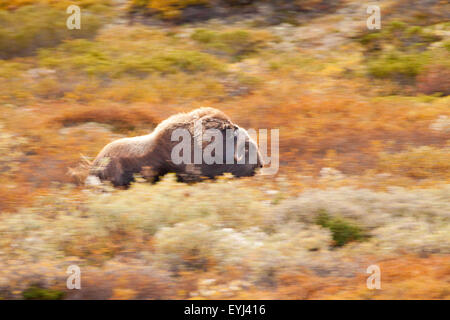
(202, 143)
(237, 154)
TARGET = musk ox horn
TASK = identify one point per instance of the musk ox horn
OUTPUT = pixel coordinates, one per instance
(151, 155)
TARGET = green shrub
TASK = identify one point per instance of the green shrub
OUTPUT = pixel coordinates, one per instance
(400, 36)
(94, 58)
(36, 293)
(446, 45)
(170, 62)
(342, 230)
(80, 55)
(398, 52)
(204, 35)
(28, 28)
(14, 86)
(237, 44)
(397, 65)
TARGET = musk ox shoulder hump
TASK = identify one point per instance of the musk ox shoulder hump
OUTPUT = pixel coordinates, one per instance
(186, 120)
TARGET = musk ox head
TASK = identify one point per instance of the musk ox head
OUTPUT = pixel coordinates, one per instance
(237, 153)
(202, 143)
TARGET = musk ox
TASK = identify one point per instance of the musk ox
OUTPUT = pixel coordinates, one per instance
(152, 155)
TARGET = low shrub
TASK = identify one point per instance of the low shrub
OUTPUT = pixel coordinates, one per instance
(342, 231)
(237, 44)
(37, 293)
(395, 65)
(96, 59)
(29, 28)
(399, 51)
(396, 219)
(420, 162)
(400, 36)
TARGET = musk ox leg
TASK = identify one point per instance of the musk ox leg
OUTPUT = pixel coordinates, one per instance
(123, 180)
(121, 177)
(151, 174)
(190, 173)
(187, 178)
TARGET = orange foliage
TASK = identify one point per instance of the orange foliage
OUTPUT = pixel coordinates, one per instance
(403, 277)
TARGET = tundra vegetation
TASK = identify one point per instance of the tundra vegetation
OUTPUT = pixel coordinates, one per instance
(364, 175)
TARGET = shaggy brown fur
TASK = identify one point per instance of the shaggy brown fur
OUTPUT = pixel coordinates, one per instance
(150, 155)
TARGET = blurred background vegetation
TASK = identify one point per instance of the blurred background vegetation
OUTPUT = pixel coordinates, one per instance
(364, 124)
